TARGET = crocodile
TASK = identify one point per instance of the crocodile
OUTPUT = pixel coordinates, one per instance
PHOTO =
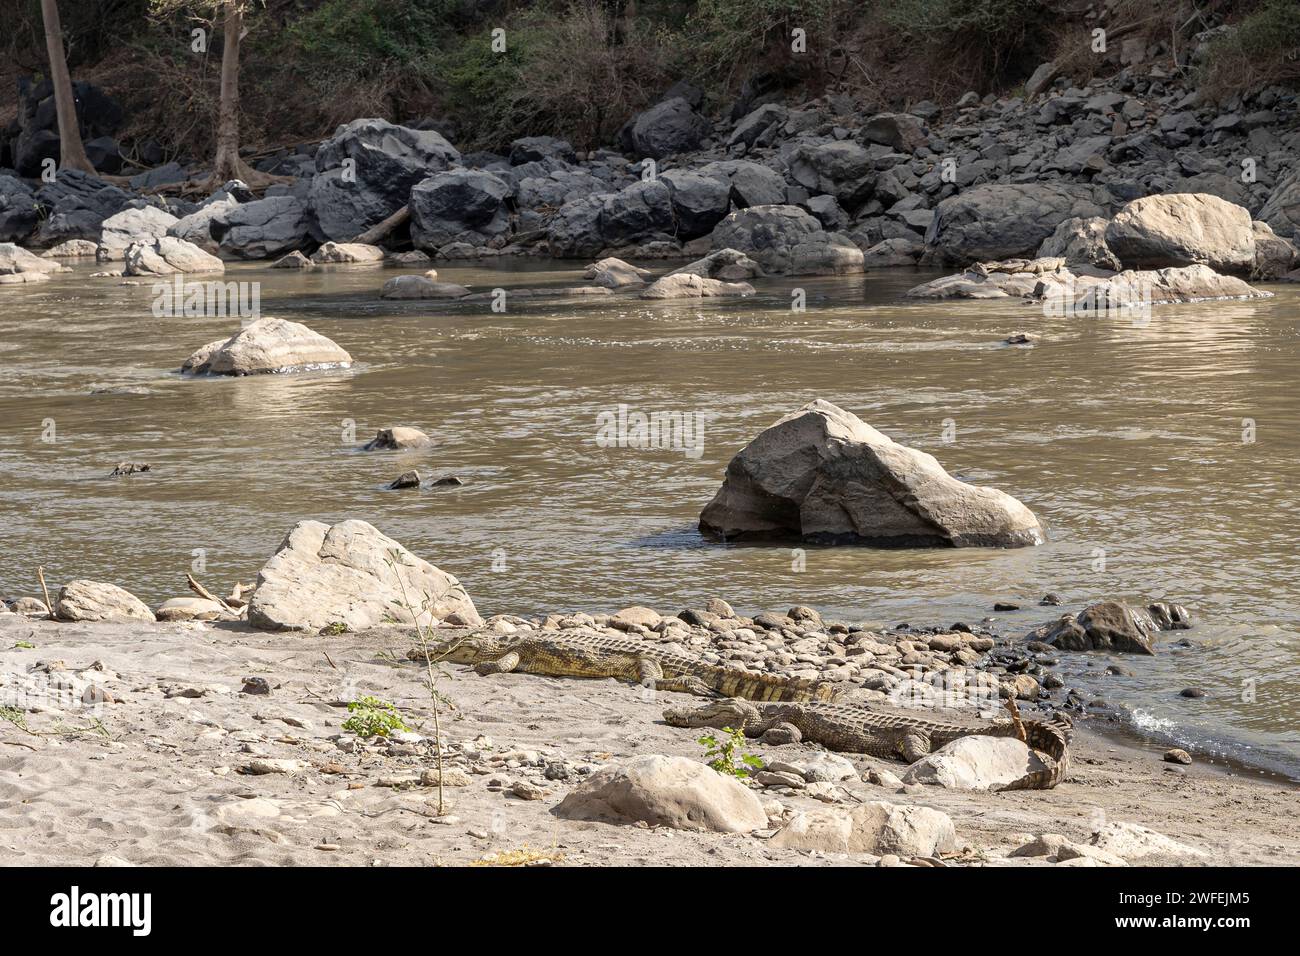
(581, 652)
(891, 733)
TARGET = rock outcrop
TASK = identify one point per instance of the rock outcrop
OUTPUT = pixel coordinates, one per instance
(19, 265)
(1005, 221)
(130, 226)
(823, 474)
(262, 229)
(352, 574)
(1183, 229)
(687, 285)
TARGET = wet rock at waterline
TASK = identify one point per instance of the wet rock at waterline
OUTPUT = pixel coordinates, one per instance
(823, 474)
(407, 479)
(19, 265)
(168, 255)
(294, 260)
(686, 285)
(347, 253)
(265, 346)
(96, 601)
(786, 240)
(398, 438)
(352, 574)
(72, 249)
(1111, 626)
(729, 265)
(421, 287)
(1000, 221)
(612, 273)
(197, 226)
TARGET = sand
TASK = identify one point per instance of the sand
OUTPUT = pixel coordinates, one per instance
(156, 780)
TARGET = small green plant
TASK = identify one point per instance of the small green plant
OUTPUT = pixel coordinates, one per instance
(728, 754)
(15, 717)
(23, 646)
(372, 717)
(334, 628)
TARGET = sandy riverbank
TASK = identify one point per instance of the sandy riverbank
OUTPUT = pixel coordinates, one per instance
(158, 779)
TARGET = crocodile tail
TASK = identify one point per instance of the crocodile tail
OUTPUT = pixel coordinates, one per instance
(773, 688)
(1051, 738)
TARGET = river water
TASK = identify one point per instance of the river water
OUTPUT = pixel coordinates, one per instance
(1161, 456)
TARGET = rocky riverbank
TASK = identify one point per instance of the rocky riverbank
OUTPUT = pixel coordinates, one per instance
(193, 743)
(813, 188)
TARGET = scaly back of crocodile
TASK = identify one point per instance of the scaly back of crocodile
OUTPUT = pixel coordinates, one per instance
(580, 652)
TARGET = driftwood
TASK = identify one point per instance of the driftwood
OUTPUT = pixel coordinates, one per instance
(204, 593)
(380, 230)
(40, 573)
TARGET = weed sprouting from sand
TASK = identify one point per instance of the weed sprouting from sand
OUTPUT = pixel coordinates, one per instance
(728, 754)
(23, 646)
(334, 628)
(433, 669)
(15, 717)
(373, 717)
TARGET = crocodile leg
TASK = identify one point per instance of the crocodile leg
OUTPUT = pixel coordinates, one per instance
(914, 745)
(502, 665)
(651, 674)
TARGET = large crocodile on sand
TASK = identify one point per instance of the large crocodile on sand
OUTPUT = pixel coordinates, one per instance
(893, 733)
(579, 652)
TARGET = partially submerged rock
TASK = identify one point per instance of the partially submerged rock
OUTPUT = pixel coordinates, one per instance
(294, 260)
(95, 601)
(72, 249)
(674, 792)
(613, 273)
(823, 474)
(347, 253)
(729, 265)
(786, 240)
(265, 346)
(1106, 626)
(685, 285)
(168, 255)
(421, 287)
(398, 438)
(19, 265)
(352, 574)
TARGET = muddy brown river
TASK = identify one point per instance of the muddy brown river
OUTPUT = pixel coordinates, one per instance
(1161, 457)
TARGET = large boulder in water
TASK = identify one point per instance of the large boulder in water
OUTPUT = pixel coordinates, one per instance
(352, 574)
(461, 205)
(1183, 229)
(822, 474)
(787, 240)
(1006, 221)
(364, 174)
(197, 226)
(266, 346)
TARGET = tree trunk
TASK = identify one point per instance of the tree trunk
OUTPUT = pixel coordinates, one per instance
(72, 154)
(228, 165)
